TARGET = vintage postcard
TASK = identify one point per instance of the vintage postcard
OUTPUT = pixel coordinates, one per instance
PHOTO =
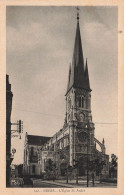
(61, 97)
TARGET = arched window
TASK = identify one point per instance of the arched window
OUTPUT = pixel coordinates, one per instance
(32, 151)
(79, 100)
(83, 102)
(87, 101)
(68, 117)
(69, 103)
(33, 169)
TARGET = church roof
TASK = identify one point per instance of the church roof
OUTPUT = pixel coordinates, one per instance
(78, 74)
(37, 140)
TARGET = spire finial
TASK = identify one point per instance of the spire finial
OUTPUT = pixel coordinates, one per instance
(77, 13)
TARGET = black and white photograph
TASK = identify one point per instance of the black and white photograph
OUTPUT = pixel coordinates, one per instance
(61, 96)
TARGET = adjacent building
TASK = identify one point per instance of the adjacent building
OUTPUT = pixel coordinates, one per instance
(32, 150)
(9, 158)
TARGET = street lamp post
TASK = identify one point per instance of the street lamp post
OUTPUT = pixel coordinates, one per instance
(66, 168)
(87, 164)
(77, 176)
(67, 175)
(87, 136)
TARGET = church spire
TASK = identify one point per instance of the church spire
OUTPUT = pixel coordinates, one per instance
(77, 14)
(78, 52)
(77, 73)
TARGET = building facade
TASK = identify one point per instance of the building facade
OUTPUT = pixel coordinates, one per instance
(76, 142)
(32, 149)
(9, 158)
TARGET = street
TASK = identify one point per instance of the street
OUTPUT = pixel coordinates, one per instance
(71, 184)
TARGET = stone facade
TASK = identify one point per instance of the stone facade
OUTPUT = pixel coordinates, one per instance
(75, 142)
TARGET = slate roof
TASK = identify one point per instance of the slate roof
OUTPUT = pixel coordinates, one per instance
(37, 140)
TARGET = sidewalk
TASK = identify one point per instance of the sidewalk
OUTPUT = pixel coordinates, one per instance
(58, 183)
(72, 183)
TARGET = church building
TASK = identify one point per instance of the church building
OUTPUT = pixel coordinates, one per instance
(75, 142)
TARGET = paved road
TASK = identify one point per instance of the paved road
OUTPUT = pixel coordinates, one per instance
(50, 184)
(45, 185)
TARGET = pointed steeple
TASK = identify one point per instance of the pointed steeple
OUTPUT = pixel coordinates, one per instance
(86, 75)
(78, 53)
(77, 73)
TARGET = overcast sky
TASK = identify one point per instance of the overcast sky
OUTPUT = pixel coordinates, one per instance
(40, 43)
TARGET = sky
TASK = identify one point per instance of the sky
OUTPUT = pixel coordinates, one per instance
(40, 42)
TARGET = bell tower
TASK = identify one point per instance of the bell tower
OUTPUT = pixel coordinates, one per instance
(78, 102)
(78, 95)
